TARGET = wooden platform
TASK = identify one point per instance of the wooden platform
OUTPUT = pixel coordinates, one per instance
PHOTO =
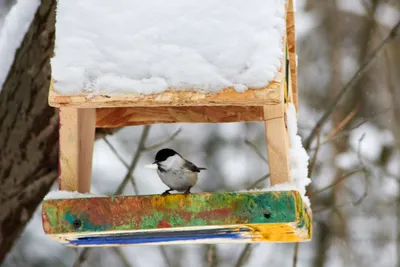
(248, 217)
(112, 117)
(201, 218)
(270, 95)
(171, 98)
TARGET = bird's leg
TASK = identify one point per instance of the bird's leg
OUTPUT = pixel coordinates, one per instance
(187, 192)
(166, 192)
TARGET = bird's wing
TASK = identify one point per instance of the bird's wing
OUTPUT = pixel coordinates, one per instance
(192, 167)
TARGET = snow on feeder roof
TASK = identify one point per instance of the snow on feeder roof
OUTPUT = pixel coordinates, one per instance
(145, 47)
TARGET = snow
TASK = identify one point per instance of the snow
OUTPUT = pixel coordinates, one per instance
(387, 15)
(62, 194)
(368, 242)
(132, 47)
(298, 162)
(298, 155)
(277, 187)
(16, 24)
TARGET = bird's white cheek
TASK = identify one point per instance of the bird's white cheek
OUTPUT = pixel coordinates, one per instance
(151, 166)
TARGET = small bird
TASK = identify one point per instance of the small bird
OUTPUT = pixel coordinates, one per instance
(176, 172)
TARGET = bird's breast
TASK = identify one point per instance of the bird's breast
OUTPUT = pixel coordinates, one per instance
(178, 179)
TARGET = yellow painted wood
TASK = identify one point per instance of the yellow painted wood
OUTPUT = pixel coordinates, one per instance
(119, 220)
(248, 217)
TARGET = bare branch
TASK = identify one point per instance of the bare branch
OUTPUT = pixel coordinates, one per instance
(135, 159)
(244, 256)
(347, 203)
(256, 150)
(211, 255)
(314, 159)
(350, 84)
(166, 141)
(312, 194)
(81, 257)
(347, 132)
(366, 177)
(112, 148)
(259, 153)
(259, 180)
(364, 170)
(165, 256)
(295, 254)
(343, 123)
(122, 257)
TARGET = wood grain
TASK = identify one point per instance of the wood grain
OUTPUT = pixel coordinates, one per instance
(77, 131)
(291, 40)
(169, 98)
(118, 117)
(277, 146)
(269, 95)
(201, 217)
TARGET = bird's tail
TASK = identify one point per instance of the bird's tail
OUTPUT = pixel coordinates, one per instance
(201, 168)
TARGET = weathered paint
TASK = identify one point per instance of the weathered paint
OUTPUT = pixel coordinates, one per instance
(304, 215)
(250, 216)
(149, 237)
(147, 212)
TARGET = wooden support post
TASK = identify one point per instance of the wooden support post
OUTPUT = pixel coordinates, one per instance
(77, 130)
(118, 117)
(291, 38)
(277, 144)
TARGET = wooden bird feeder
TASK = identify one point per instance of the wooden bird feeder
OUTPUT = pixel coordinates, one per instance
(267, 216)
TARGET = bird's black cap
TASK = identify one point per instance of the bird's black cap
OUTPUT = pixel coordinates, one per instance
(165, 153)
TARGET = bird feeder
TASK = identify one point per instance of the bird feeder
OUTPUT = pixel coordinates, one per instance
(255, 216)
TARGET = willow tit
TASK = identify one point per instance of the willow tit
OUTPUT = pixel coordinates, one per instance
(175, 171)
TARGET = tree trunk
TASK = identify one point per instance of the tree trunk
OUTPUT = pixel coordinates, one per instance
(28, 129)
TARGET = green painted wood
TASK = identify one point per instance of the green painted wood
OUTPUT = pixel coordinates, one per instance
(177, 210)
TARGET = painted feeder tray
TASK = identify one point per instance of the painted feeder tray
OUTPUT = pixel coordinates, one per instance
(266, 216)
(201, 217)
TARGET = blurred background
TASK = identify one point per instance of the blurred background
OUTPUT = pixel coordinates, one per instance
(354, 166)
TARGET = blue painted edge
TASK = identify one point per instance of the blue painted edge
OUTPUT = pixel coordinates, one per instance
(147, 238)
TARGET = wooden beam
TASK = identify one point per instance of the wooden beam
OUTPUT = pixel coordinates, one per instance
(171, 98)
(277, 140)
(291, 39)
(118, 117)
(277, 145)
(201, 217)
(77, 131)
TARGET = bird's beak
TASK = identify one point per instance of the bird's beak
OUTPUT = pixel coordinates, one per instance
(152, 166)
